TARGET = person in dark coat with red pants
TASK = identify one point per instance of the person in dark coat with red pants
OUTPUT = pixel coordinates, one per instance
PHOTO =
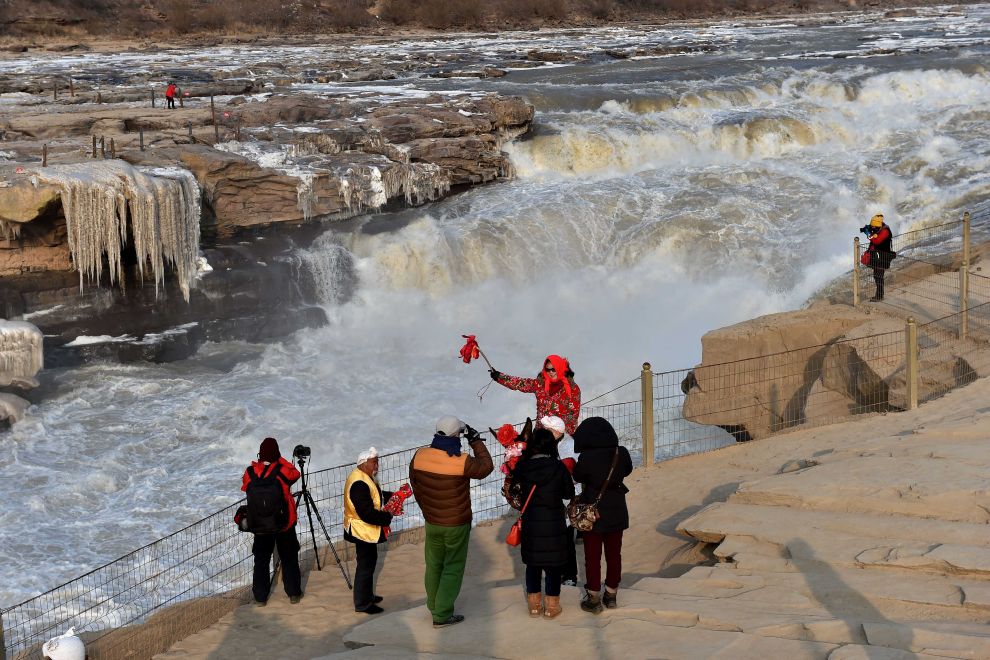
(269, 461)
(597, 446)
(544, 532)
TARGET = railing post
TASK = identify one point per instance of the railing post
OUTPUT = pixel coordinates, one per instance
(964, 281)
(856, 255)
(911, 334)
(3, 643)
(213, 114)
(646, 381)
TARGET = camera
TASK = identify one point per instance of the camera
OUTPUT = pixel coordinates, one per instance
(301, 451)
(868, 230)
(470, 433)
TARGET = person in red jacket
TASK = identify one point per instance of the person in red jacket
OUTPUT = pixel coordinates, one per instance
(880, 253)
(270, 462)
(170, 95)
(557, 395)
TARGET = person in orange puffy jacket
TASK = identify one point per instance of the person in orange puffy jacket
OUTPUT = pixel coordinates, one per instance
(557, 395)
(270, 462)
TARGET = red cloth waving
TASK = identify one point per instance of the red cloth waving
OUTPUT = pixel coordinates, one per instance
(470, 350)
(556, 394)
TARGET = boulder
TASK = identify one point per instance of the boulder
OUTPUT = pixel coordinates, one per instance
(755, 377)
(22, 200)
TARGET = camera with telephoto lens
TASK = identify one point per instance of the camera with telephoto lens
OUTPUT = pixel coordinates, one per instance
(301, 451)
(869, 230)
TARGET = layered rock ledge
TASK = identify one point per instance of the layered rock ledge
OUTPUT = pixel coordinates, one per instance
(283, 162)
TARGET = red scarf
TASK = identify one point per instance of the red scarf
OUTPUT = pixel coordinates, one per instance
(562, 367)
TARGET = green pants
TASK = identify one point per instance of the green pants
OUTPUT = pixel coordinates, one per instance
(446, 556)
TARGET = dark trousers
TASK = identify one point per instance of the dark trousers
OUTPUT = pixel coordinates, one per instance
(593, 544)
(569, 571)
(533, 575)
(288, 554)
(170, 102)
(364, 575)
(878, 274)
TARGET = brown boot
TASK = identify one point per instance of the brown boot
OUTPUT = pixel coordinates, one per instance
(553, 607)
(535, 604)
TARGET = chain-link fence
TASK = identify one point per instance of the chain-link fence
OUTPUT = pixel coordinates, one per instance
(142, 603)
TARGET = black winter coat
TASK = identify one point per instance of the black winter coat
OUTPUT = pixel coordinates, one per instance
(544, 530)
(595, 442)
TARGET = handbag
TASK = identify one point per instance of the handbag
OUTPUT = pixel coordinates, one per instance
(584, 516)
(514, 537)
(865, 258)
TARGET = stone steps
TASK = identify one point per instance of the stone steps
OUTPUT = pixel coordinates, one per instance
(950, 489)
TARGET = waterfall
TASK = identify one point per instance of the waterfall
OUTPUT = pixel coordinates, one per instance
(21, 356)
(164, 208)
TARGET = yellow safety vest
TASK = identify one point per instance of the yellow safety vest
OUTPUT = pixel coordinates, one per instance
(352, 521)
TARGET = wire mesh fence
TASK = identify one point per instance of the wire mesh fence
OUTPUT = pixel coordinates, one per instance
(142, 603)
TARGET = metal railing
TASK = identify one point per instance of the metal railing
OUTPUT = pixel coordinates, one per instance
(140, 604)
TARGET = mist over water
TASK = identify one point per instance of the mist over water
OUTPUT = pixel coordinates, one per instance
(656, 199)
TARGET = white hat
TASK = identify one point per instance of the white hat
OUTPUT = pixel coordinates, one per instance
(450, 426)
(65, 647)
(367, 455)
(552, 423)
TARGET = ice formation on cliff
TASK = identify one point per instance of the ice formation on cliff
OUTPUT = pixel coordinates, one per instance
(21, 356)
(164, 209)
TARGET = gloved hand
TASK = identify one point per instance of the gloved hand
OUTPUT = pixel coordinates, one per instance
(471, 434)
(495, 374)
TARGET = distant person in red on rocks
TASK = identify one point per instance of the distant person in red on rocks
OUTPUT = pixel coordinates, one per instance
(557, 395)
(170, 93)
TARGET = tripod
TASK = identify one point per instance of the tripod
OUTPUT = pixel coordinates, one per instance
(311, 508)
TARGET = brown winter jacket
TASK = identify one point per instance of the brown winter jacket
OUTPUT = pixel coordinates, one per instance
(442, 483)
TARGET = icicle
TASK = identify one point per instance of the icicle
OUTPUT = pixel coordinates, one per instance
(9, 230)
(164, 207)
(21, 356)
(305, 195)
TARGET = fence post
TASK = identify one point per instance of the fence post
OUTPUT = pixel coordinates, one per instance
(911, 334)
(964, 281)
(152, 98)
(103, 147)
(72, 88)
(141, 137)
(216, 129)
(44, 155)
(646, 381)
(3, 643)
(94, 146)
(856, 255)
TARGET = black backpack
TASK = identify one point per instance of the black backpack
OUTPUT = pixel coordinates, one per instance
(267, 510)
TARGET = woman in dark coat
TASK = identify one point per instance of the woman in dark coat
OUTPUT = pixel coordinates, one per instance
(597, 446)
(544, 532)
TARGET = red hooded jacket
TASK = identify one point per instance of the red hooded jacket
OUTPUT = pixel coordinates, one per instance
(558, 396)
(288, 475)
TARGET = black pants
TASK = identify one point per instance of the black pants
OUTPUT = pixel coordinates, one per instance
(170, 102)
(364, 574)
(878, 274)
(533, 575)
(288, 553)
(570, 568)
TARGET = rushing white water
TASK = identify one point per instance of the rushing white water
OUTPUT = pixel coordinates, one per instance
(657, 199)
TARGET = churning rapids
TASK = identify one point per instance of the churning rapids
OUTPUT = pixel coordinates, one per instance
(658, 198)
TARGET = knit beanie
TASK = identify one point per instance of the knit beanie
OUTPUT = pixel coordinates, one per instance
(268, 452)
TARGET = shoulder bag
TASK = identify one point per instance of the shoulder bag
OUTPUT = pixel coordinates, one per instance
(514, 536)
(584, 516)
